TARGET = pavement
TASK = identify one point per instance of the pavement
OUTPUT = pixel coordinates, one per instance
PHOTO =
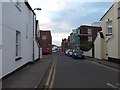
(30, 75)
(105, 62)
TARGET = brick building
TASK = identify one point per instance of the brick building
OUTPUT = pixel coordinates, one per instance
(88, 34)
(72, 44)
(46, 41)
(64, 44)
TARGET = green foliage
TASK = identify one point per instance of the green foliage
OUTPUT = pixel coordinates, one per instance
(86, 47)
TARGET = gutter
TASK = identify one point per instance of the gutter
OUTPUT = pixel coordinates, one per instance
(107, 12)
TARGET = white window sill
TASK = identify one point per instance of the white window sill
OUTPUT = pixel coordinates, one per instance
(18, 58)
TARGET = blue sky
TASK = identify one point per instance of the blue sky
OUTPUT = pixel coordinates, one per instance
(61, 16)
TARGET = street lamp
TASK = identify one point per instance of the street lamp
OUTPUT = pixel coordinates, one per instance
(34, 17)
(37, 9)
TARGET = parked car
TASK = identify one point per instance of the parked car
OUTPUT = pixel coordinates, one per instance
(78, 54)
(54, 51)
(45, 51)
(67, 51)
(70, 52)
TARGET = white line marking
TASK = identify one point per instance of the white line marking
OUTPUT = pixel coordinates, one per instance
(113, 86)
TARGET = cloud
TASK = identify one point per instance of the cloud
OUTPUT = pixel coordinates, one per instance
(57, 37)
(61, 16)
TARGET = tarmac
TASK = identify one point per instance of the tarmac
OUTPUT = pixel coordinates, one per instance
(105, 62)
(30, 75)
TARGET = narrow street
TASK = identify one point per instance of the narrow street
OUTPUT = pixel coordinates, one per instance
(76, 73)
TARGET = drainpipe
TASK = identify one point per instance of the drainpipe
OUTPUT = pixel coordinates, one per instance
(34, 21)
(34, 18)
(33, 37)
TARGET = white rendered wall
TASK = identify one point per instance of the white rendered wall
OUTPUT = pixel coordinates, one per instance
(36, 52)
(0, 42)
(97, 44)
(113, 44)
(119, 34)
(88, 53)
(14, 19)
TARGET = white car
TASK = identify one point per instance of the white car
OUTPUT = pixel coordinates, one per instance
(67, 52)
(54, 51)
(70, 52)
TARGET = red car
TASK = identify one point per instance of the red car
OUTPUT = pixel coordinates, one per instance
(45, 51)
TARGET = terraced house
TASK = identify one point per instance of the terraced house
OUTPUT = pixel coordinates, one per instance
(18, 44)
(107, 44)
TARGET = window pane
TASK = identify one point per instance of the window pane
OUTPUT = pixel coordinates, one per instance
(16, 50)
(119, 12)
(109, 30)
(17, 43)
(109, 25)
(44, 37)
(16, 37)
(89, 38)
(90, 31)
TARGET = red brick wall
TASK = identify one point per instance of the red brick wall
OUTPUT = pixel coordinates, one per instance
(64, 45)
(46, 43)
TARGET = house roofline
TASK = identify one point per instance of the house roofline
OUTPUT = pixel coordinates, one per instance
(107, 12)
(86, 26)
(29, 7)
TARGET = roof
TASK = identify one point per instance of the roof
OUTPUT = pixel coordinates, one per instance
(85, 26)
(29, 7)
(107, 12)
(44, 30)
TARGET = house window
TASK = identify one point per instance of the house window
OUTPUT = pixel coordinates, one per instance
(18, 44)
(109, 26)
(44, 37)
(119, 13)
(90, 31)
(90, 39)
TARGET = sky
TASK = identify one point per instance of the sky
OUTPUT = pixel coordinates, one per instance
(61, 16)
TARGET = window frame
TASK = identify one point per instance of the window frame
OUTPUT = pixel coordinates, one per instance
(89, 31)
(118, 13)
(109, 26)
(18, 46)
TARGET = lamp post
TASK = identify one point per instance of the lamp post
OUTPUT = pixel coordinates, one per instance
(34, 19)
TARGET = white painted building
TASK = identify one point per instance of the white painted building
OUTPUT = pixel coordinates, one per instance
(16, 36)
(107, 44)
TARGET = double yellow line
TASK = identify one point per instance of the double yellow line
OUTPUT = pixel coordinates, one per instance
(50, 80)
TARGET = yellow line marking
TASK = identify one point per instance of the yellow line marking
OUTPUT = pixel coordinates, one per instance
(104, 66)
(53, 78)
(54, 72)
(49, 77)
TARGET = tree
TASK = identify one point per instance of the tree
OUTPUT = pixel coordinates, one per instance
(86, 47)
